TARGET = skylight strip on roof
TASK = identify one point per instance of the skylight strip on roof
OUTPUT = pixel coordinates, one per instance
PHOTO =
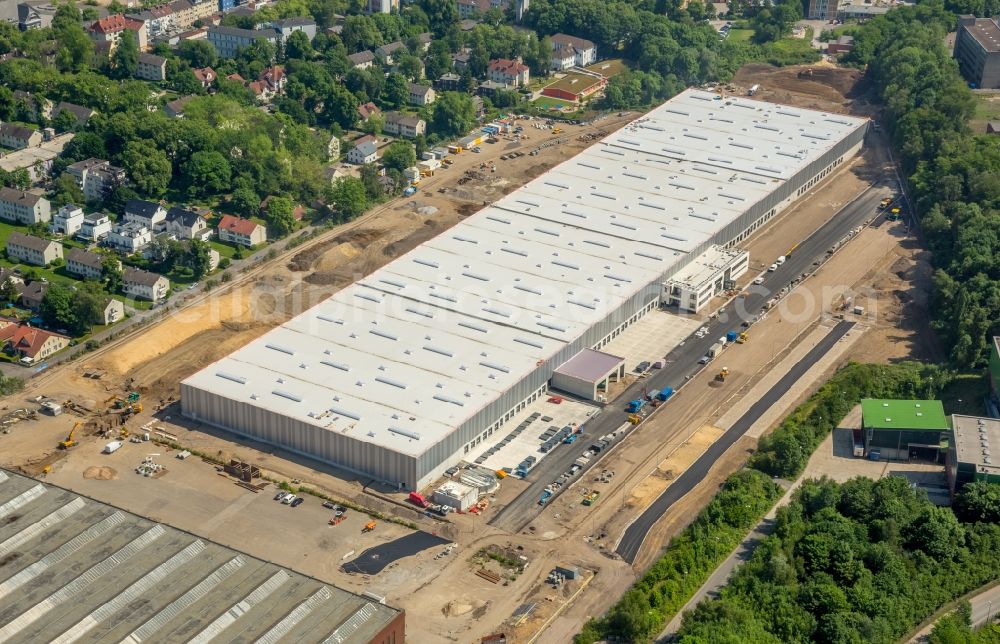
(426, 314)
(343, 412)
(392, 383)
(369, 297)
(495, 366)
(469, 325)
(527, 289)
(439, 351)
(426, 262)
(335, 365)
(448, 399)
(229, 376)
(404, 432)
(286, 394)
(277, 347)
(528, 342)
(326, 318)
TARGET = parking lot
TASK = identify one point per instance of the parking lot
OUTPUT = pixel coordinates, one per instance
(653, 336)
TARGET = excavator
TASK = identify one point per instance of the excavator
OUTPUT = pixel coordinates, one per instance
(69, 442)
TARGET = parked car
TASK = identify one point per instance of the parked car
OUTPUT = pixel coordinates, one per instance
(297, 502)
(642, 366)
(329, 505)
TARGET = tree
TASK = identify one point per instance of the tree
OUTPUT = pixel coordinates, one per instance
(112, 273)
(198, 53)
(125, 60)
(979, 501)
(66, 191)
(395, 93)
(298, 47)
(348, 196)
(208, 171)
(148, 167)
(65, 121)
(198, 257)
(410, 67)
(454, 114)
(360, 33)
(279, 215)
(8, 291)
(57, 307)
(399, 155)
(245, 202)
(441, 15)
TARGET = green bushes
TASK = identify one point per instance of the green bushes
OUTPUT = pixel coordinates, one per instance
(863, 561)
(688, 560)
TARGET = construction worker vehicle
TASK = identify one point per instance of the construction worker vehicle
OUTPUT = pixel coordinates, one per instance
(743, 338)
(722, 375)
(885, 203)
(69, 441)
(369, 527)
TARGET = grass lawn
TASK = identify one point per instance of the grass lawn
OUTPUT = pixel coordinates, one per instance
(740, 34)
(987, 109)
(544, 102)
(225, 250)
(971, 389)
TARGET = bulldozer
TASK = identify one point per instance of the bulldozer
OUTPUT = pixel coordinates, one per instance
(722, 375)
(369, 527)
(69, 442)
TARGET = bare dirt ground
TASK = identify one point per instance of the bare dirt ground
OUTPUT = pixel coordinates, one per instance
(818, 87)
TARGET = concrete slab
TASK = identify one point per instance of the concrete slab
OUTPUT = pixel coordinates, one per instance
(651, 337)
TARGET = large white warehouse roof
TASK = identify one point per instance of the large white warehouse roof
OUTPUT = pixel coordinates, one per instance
(403, 357)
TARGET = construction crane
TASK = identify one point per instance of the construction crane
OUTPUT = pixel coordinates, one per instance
(68, 441)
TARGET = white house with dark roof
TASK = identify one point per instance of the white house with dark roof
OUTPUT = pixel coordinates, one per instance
(130, 237)
(570, 51)
(151, 67)
(364, 151)
(148, 213)
(19, 137)
(23, 207)
(386, 51)
(96, 226)
(362, 59)
(96, 177)
(185, 224)
(144, 284)
(85, 264)
(421, 94)
(29, 249)
(406, 125)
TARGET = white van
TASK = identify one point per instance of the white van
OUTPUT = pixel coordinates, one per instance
(288, 498)
(780, 260)
(772, 268)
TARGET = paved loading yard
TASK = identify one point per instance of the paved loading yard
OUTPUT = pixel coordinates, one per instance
(74, 569)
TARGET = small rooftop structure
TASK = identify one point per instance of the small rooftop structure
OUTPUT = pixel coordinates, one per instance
(586, 372)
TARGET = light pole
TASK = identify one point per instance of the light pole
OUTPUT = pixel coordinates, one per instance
(989, 610)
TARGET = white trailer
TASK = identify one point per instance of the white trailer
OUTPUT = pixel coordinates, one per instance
(112, 447)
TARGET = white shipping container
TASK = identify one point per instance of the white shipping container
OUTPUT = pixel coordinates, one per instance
(112, 447)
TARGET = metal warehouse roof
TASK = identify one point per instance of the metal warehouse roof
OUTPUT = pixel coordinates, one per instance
(523, 277)
(590, 365)
(78, 570)
(904, 414)
(977, 441)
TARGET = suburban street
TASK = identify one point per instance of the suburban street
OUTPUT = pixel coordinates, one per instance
(682, 362)
(985, 607)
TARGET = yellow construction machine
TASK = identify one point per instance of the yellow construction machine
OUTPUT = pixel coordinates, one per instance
(69, 441)
(722, 375)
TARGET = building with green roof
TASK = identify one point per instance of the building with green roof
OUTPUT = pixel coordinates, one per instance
(905, 430)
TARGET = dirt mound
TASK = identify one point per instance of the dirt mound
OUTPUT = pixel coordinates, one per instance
(457, 608)
(810, 86)
(359, 238)
(103, 473)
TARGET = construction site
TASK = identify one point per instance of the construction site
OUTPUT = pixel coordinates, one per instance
(224, 489)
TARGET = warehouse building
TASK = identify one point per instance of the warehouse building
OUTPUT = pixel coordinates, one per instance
(971, 456)
(76, 570)
(399, 375)
(905, 430)
(977, 50)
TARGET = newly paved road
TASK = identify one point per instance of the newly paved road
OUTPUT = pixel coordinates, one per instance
(636, 532)
(682, 361)
(985, 608)
(374, 560)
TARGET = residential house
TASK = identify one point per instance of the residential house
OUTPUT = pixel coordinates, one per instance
(175, 108)
(35, 14)
(404, 125)
(32, 294)
(386, 51)
(421, 94)
(147, 213)
(109, 30)
(425, 40)
(28, 249)
(993, 127)
(275, 78)
(157, 20)
(449, 82)
(468, 24)
(243, 232)
(29, 343)
(96, 226)
(81, 113)
(570, 51)
(144, 284)
(382, 6)
(227, 40)
(205, 76)
(512, 73)
(23, 207)
(287, 26)
(129, 238)
(469, 8)
(8, 275)
(113, 311)
(364, 151)
(841, 45)
(368, 110)
(96, 177)
(67, 221)
(460, 59)
(362, 59)
(261, 91)
(185, 224)
(151, 67)
(85, 264)
(19, 137)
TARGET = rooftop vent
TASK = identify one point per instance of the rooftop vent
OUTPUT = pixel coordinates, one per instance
(228, 376)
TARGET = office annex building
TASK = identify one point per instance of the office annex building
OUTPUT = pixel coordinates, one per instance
(398, 375)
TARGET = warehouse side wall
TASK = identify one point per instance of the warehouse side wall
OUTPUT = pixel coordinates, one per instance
(328, 446)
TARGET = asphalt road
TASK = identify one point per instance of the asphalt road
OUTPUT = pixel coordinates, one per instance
(374, 560)
(682, 361)
(636, 532)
